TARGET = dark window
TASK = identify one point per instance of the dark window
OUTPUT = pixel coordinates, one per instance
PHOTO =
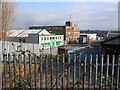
(44, 38)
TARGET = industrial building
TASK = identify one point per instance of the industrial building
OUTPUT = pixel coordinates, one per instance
(71, 32)
(86, 37)
(39, 36)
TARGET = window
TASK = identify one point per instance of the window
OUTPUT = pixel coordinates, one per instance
(47, 38)
(56, 37)
(60, 37)
(44, 38)
(41, 38)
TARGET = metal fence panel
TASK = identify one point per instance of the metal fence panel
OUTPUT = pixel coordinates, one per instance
(50, 71)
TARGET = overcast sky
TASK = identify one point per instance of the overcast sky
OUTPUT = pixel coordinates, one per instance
(86, 15)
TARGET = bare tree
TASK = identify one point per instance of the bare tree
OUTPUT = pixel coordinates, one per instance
(7, 17)
(7, 9)
(0, 19)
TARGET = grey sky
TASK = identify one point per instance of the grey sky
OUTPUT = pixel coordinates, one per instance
(87, 15)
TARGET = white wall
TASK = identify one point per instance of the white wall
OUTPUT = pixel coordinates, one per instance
(92, 36)
(84, 39)
(44, 32)
(26, 46)
(50, 41)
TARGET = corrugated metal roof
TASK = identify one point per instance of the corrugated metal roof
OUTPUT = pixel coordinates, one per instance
(112, 41)
(110, 35)
(22, 33)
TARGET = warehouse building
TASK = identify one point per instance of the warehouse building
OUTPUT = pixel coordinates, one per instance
(71, 32)
(40, 36)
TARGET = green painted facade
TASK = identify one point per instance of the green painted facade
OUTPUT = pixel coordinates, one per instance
(57, 43)
(51, 40)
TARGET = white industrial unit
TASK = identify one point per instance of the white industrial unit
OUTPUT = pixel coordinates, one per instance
(39, 36)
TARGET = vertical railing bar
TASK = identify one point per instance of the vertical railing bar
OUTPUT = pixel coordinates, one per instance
(96, 72)
(3, 72)
(18, 63)
(30, 73)
(84, 72)
(113, 60)
(90, 71)
(37, 64)
(41, 72)
(20, 77)
(7, 70)
(46, 71)
(101, 73)
(68, 71)
(14, 64)
(74, 63)
(10, 83)
(107, 69)
(73, 70)
(79, 68)
(4, 61)
(51, 71)
(118, 68)
(35, 76)
(63, 70)
(85, 63)
(57, 72)
(24, 58)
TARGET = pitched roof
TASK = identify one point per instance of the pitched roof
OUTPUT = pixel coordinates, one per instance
(110, 35)
(22, 33)
(112, 41)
